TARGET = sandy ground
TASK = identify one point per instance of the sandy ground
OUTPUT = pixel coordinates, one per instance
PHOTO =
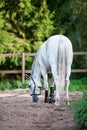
(17, 112)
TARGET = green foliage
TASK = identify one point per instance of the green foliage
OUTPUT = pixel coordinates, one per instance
(78, 85)
(80, 111)
(70, 19)
(27, 20)
(9, 43)
(27, 23)
(75, 85)
(14, 84)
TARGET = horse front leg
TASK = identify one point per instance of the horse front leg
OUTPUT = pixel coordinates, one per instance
(52, 99)
(45, 77)
(49, 98)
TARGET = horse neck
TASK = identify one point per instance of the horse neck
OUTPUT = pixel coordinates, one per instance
(35, 73)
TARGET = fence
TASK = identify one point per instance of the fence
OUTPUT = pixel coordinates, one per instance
(23, 71)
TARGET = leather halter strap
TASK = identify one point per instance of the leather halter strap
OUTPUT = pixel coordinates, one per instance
(30, 77)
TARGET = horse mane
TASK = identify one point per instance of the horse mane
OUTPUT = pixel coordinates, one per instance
(33, 65)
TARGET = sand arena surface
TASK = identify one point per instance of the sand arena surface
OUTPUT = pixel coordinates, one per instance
(17, 112)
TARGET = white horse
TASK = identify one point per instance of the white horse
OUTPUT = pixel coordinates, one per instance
(56, 55)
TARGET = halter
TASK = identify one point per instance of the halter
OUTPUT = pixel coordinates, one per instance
(30, 77)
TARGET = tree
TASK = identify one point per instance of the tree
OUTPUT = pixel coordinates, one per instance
(28, 20)
(70, 19)
(26, 25)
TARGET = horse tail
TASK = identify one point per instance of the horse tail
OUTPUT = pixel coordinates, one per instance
(61, 67)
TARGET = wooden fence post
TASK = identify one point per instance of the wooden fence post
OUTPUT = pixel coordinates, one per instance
(23, 67)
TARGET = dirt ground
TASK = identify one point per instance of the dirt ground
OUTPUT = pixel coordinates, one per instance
(17, 112)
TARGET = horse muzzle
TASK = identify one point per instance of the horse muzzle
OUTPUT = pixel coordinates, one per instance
(36, 91)
(35, 98)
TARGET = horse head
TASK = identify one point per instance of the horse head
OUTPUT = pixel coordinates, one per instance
(34, 88)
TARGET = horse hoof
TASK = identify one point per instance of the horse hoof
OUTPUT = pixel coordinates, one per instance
(57, 102)
(35, 98)
(52, 100)
(67, 103)
(49, 100)
(46, 100)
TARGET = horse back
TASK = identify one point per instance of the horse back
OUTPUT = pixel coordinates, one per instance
(49, 51)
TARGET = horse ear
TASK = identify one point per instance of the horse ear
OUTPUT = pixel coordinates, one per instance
(29, 74)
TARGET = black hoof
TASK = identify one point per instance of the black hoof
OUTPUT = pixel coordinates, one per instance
(35, 98)
(47, 100)
(52, 100)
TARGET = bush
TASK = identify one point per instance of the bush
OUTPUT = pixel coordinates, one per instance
(13, 85)
(9, 43)
(78, 85)
(80, 111)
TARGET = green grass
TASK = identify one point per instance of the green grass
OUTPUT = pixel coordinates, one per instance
(8, 85)
(78, 85)
(75, 85)
(79, 107)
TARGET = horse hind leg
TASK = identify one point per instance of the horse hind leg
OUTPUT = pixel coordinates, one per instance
(55, 76)
(47, 99)
(67, 94)
(67, 82)
(52, 99)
